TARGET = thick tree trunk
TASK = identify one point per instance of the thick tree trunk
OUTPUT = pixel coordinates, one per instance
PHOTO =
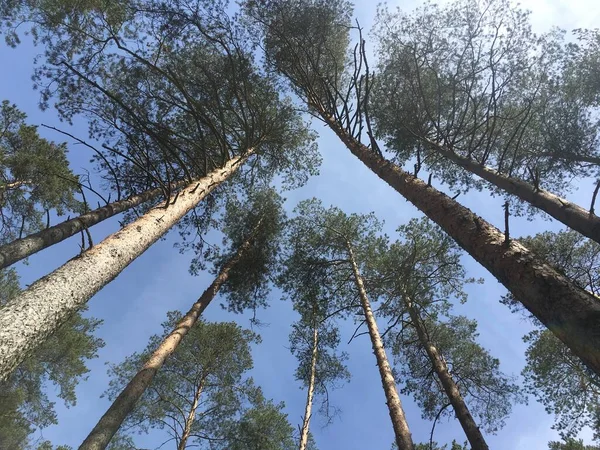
(440, 367)
(401, 430)
(571, 214)
(22, 248)
(311, 390)
(112, 419)
(571, 313)
(189, 420)
(28, 319)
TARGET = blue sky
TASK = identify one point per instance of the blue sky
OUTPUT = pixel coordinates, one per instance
(134, 305)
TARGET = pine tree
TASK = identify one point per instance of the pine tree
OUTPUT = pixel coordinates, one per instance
(333, 245)
(436, 352)
(252, 226)
(159, 122)
(35, 177)
(340, 98)
(506, 113)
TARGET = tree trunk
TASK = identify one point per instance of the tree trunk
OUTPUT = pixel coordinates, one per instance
(14, 185)
(311, 390)
(440, 367)
(28, 319)
(571, 214)
(571, 313)
(22, 248)
(112, 419)
(189, 421)
(401, 430)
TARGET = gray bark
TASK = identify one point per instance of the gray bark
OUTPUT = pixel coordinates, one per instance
(401, 429)
(440, 367)
(571, 313)
(22, 248)
(37, 312)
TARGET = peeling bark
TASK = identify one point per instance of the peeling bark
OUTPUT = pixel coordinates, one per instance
(570, 214)
(401, 430)
(311, 391)
(22, 248)
(571, 313)
(112, 419)
(28, 319)
(440, 367)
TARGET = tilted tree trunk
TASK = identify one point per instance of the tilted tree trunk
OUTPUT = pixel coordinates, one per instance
(189, 420)
(571, 214)
(401, 430)
(440, 367)
(112, 419)
(22, 248)
(571, 313)
(28, 319)
(311, 390)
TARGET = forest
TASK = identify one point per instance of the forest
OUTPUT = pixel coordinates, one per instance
(299, 224)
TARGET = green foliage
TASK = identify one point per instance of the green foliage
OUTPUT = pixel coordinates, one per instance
(306, 41)
(514, 104)
(571, 444)
(60, 361)
(35, 177)
(421, 275)
(259, 218)
(209, 365)
(553, 374)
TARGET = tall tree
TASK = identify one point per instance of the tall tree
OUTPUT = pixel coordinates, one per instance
(333, 245)
(314, 340)
(568, 311)
(252, 227)
(438, 357)
(571, 444)
(35, 178)
(61, 362)
(160, 122)
(566, 387)
(506, 113)
(203, 385)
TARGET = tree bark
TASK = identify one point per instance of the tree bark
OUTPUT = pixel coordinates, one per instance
(440, 367)
(571, 313)
(311, 390)
(28, 319)
(22, 248)
(570, 214)
(112, 419)
(401, 430)
(189, 421)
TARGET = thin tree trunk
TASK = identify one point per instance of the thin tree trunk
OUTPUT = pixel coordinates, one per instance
(575, 158)
(311, 390)
(14, 185)
(22, 248)
(401, 430)
(28, 319)
(571, 313)
(189, 421)
(112, 419)
(571, 214)
(440, 367)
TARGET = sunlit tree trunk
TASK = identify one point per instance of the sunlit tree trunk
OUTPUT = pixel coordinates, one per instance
(311, 390)
(440, 367)
(401, 430)
(28, 319)
(572, 215)
(189, 420)
(570, 312)
(22, 248)
(110, 422)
